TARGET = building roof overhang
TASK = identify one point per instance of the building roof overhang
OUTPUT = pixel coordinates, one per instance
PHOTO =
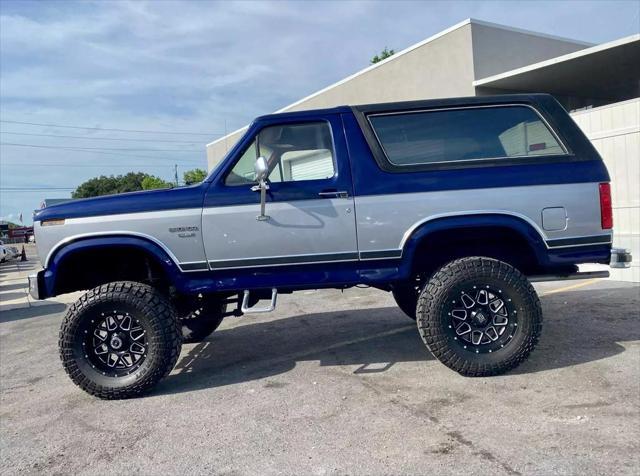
(607, 71)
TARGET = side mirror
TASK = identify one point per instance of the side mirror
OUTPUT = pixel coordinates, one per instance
(262, 171)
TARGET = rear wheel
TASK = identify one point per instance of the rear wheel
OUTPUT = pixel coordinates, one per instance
(119, 339)
(199, 316)
(406, 295)
(479, 316)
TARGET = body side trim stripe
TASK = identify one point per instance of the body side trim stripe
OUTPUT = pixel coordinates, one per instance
(194, 266)
(380, 254)
(284, 260)
(579, 241)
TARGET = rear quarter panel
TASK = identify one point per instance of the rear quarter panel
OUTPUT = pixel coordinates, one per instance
(391, 204)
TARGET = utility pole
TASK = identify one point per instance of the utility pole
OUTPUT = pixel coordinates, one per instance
(175, 172)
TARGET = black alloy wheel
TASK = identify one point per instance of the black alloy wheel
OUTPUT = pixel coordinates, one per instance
(479, 316)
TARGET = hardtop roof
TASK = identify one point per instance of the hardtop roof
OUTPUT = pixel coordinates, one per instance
(413, 105)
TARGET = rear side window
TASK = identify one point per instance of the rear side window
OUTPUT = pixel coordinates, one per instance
(458, 135)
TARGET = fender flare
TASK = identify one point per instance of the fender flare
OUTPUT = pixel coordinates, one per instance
(68, 248)
(529, 232)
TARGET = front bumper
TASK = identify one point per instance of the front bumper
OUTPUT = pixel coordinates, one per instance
(35, 286)
(620, 258)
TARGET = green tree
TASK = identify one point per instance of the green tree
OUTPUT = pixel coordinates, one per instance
(152, 182)
(194, 176)
(384, 54)
(109, 185)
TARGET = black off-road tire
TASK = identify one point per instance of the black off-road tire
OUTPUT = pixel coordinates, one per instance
(153, 314)
(200, 316)
(438, 330)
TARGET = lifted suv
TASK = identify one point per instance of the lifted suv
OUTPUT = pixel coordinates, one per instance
(453, 205)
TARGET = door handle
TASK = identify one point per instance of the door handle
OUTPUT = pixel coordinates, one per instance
(334, 194)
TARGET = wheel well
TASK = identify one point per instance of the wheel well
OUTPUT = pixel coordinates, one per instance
(502, 243)
(86, 269)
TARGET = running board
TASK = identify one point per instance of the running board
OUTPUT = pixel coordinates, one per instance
(245, 309)
(568, 277)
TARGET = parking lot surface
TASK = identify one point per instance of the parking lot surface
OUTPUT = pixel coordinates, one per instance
(329, 383)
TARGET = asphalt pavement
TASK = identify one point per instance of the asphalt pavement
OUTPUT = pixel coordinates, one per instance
(333, 383)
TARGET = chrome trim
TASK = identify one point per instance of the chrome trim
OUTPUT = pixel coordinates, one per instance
(34, 287)
(413, 227)
(457, 108)
(245, 309)
(100, 234)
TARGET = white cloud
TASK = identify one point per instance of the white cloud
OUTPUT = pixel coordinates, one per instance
(198, 66)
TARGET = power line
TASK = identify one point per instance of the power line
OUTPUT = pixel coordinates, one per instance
(65, 165)
(99, 138)
(111, 129)
(33, 189)
(116, 149)
(124, 156)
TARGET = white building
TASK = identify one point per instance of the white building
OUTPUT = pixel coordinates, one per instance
(599, 84)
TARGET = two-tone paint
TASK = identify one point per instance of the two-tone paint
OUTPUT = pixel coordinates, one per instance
(208, 239)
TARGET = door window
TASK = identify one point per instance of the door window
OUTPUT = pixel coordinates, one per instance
(294, 152)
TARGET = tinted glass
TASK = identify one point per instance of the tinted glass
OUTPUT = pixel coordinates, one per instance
(463, 134)
(293, 151)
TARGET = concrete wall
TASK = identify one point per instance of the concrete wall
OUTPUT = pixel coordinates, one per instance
(615, 131)
(441, 67)
(444, 65)
(496, 50)
(218, 149)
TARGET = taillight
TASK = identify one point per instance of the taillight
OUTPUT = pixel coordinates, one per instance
(606, 213)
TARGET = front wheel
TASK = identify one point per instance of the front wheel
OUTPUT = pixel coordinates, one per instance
(479, 316)
(119, 339)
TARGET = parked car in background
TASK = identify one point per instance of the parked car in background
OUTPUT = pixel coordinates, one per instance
(455, 206)
(10, 252)
(13, 251)
(3, 254)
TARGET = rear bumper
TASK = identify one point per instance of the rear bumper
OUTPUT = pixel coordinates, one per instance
(620, 258)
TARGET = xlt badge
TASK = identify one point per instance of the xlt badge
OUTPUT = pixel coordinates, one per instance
(184, 231)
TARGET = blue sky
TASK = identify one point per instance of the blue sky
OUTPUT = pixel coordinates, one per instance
(192, 70)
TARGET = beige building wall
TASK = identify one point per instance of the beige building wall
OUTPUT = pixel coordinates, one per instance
(496, 50)
(444, 65)
(615, 131)
(441, 66)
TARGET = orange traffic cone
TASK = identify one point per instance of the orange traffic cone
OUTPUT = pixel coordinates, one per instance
(23, 256)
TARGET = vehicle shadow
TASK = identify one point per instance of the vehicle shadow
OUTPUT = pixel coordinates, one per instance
(11, 287)
(262, 349)
(12, 295)
(580, 327)
(10, 315)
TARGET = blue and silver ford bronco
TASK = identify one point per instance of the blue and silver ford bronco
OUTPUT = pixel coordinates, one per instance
(452, 205)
